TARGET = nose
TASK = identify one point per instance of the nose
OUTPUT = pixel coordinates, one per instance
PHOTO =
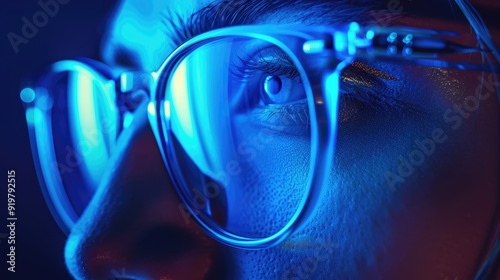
(134, 227)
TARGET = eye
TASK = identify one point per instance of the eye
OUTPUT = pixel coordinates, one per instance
(280, 90)
(272, 85)
(270, 92)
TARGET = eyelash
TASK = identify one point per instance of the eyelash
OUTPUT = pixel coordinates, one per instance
(379, 96)
(278, 65)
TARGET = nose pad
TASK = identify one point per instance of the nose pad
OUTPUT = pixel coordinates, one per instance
(133, 222)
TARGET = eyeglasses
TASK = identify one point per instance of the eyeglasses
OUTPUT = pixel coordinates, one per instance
(246, 118)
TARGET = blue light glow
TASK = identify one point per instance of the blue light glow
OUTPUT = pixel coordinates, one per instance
(313, 46)
(307, 47)
(27, 95)
(392, 37)
(180, 100)
(392, 50)
(33, 116)
(407, 39)
(354, 27)
(86, 118)
(370, 35)
(127, 119)
(44, 102)
(87, 131)
(332, 88)
(69, 65)
(167, 109)
(151, 109)
(340, 41)
(351, 37)
(123, 82)
(407, 51)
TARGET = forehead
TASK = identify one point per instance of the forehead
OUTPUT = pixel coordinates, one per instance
(138, 27)
(141, 29)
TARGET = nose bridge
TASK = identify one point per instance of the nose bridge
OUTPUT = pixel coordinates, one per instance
(133, 88)
(135, 219)
(132, 81)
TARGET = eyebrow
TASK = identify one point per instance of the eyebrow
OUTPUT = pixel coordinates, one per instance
(241, 12)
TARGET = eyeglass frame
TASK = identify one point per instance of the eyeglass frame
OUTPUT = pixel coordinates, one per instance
(320, 42)
(341, 43)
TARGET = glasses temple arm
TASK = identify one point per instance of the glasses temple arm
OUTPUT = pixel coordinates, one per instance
(423, 47)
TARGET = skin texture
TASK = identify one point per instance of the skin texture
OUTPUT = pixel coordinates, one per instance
(432, 226)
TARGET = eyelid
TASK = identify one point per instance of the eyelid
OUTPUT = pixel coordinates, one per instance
(359, 81)
(270, 65)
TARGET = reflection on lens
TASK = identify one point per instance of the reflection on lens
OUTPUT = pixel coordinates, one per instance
(239, 140)
(82, 127)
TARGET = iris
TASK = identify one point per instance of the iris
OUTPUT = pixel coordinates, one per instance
(272, 85)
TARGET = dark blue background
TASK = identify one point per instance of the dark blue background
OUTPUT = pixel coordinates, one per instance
(74, 31)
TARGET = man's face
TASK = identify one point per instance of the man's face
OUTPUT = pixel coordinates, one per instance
(428, 223)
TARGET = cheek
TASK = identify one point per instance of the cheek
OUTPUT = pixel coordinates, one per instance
(442, 206)
(266, 193)
(400, 184)
(470, 119)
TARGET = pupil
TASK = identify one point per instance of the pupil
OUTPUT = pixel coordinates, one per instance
(272, 85)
